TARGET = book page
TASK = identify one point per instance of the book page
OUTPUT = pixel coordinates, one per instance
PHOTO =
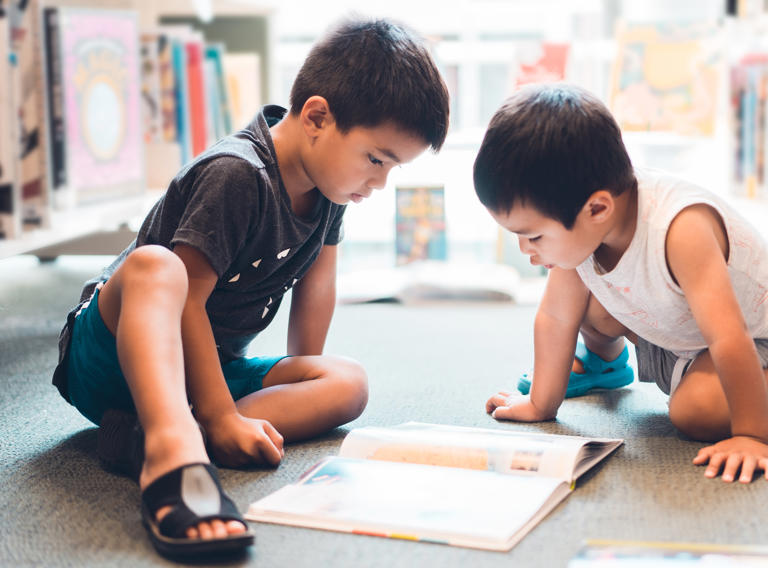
(504, 451)
(417, 502)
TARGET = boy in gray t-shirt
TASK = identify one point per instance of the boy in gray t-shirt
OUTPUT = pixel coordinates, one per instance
(155, 351)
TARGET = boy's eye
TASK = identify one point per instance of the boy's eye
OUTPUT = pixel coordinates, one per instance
(374, 160)
(534, 239)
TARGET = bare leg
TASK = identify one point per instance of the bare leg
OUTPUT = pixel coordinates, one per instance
(141, 304)
(698, 408)
(602, 334)
(309, 395)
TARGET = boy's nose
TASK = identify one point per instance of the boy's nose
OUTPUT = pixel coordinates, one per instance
(525, 245)
(378, 181)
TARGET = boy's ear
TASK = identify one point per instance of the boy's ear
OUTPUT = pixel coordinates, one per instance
(600, 205)
(315, 115)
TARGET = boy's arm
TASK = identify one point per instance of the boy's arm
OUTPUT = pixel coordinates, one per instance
(555, 333)
(695, 253)
(312, 303)
(235, 439)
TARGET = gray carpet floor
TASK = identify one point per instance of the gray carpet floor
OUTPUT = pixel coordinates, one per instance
(430, 362)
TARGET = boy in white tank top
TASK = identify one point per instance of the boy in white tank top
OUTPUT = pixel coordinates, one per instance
(632, 254)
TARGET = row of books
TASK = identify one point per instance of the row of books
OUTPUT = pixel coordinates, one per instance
(192, 92)
(748, 100)
(95, 108)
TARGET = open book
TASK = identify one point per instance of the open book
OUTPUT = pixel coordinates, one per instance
(473, 487)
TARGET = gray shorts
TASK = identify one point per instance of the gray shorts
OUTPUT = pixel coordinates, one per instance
(657, 365)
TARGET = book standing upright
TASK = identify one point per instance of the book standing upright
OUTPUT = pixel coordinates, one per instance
(420, 224)
(101, 90)
(54, 99)
(151, 93)
(218, 100)
(10, 222)
(196, 94)
(31, 176)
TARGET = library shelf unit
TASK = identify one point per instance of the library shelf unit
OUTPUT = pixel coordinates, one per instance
(106, 227)
(101, 228)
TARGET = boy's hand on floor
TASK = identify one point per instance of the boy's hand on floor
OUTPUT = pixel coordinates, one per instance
(235, 440)
(513, 406)
(734, 454)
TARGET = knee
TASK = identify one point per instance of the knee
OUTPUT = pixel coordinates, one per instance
(699, 416)
(353, 388)
(157, 267)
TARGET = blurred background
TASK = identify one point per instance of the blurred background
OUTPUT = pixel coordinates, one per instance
(89, 138)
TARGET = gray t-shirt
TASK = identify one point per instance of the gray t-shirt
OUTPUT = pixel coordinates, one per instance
(230, 204)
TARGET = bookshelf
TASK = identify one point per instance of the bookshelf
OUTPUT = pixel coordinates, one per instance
(100, 228)
(71, 222)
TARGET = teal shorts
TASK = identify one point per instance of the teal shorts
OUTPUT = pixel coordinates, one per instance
(96, 383)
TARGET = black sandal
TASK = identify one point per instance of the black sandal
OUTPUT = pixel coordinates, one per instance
(195, 495)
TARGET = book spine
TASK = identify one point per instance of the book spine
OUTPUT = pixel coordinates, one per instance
(167, 90)
(214, 53)
(214, 123)
(150, 88)
(760, 98)
(197, 98)
(32, 164)
(9, 226)
(179, 61)
(737, 155)
(55, 107)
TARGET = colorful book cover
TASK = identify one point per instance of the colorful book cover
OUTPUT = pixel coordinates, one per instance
(666, 78)
(420, 224)
(102, 105)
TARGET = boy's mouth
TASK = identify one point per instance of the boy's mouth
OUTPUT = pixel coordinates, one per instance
(536, 262)
(358, 197)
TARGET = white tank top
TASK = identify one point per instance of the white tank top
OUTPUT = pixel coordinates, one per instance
(640, 292)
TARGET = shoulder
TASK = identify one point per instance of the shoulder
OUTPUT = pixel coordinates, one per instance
(694, 232)
(230, 173)
(242, 152)
(228, 167)
(698, 218)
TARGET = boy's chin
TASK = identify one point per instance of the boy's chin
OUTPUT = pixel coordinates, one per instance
(335, 198)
